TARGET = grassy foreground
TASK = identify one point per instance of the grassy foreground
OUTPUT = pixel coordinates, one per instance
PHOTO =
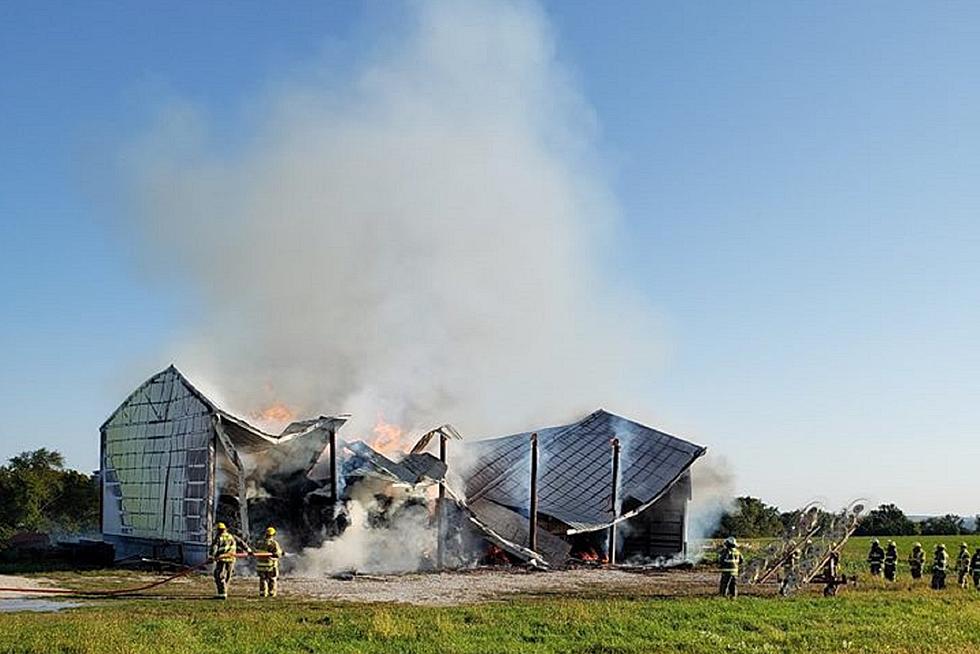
(862, 621)
(875, 616)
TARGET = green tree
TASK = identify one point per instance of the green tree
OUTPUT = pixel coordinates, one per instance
(40, 495)
(76, 508)
(887, 520)
(945, 525)
(750, 518)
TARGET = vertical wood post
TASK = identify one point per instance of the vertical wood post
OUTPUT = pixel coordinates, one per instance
(333, 467)
(441, 506)
(615, 501)
(533, 509)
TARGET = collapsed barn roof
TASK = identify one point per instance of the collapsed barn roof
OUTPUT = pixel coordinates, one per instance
(173, 463)
(575, 471)
(166, 393)
(158, 463)
(411, 470)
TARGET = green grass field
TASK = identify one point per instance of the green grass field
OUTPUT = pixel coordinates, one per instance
(872, 617)
(865, 621)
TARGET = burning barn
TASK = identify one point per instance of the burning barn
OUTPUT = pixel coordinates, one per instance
(603, 486)
(173, 464)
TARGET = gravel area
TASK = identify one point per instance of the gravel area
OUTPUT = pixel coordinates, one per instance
(25, 583)
(499, 585)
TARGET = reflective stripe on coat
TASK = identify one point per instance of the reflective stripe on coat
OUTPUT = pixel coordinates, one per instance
(268, 563)
(225, 547)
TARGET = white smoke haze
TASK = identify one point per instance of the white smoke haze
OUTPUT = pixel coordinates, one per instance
(402, 545)
(422, 240)
(713, 484)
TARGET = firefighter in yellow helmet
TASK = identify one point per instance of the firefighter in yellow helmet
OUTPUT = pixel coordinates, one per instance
(891, 560)
(939, 562)
(876, 556)
(917, 560)
(729, 560)
(963, 565)
(224, 547)
(267, 557)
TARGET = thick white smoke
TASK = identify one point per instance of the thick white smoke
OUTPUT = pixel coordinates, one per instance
(403, 544)
(714, 489)
(423, 239)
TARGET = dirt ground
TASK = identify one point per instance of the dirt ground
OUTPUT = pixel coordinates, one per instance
(432, 589)
(497, 585)
(25, 583)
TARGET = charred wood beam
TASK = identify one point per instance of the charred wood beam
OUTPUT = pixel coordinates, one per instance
(240, 469)
(615, 501)
(533, 509)
(497, 539)
(446, 431)
(440, 505)
(334, 485)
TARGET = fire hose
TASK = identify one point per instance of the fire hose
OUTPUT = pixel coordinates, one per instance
(126, 591)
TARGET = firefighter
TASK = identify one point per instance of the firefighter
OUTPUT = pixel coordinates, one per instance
(224, 547)
(730, 559)
(939, 568)
(975, 568)
(917, 560)
(830, 573)
(963, 565)
(891, 560)
(875, 557)
(790, 567)
(267, 563)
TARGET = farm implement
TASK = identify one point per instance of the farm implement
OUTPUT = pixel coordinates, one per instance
(808, 552)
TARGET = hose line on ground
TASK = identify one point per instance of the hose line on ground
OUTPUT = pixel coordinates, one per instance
(120, 591)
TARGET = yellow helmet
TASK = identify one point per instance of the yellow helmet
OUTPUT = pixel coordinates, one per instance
(270, 531)
(221, 526)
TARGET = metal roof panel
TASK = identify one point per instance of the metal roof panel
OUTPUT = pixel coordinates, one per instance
(575, 468)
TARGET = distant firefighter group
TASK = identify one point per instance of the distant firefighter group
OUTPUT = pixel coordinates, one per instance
(886, 560)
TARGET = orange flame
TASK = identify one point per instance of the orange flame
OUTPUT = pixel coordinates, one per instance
(275, 412)
(387, 437)
(590, 556)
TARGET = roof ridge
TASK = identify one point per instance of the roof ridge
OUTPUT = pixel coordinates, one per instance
(171, 369)
(210, 404)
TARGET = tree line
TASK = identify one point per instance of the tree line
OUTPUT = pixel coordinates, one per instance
(750, 517)
(40, 495)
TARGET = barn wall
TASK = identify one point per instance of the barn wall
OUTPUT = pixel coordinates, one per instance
(660, 530)
(156, 466)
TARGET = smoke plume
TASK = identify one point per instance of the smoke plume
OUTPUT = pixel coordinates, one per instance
(402, 543)
(714, 489)
(423, 239)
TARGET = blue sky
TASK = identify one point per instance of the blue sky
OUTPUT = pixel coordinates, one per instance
(799, 194)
